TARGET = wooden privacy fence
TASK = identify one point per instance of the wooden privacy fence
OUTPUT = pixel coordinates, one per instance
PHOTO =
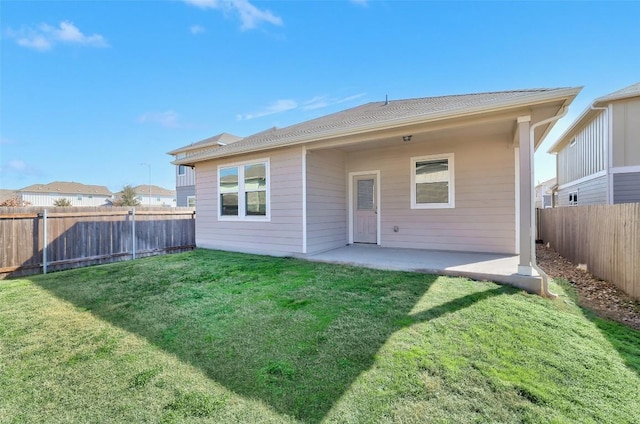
(604, 237)
(36, 239)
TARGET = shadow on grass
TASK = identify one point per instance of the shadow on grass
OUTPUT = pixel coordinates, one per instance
(622, 337)
(290, 333)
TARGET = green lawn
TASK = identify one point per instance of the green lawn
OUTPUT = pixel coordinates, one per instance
(210, 336)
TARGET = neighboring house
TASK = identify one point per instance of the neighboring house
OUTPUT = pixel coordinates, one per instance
(544, 194)
(598, 156)
(155, 196)
(76, 193)
(444, 173)
(6, 194)
(185, 175)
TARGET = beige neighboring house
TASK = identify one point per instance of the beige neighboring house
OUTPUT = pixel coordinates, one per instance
(450, 173)
(155, 196)
(76, 193)
(185, 175)
(598, 156)
(544, 194)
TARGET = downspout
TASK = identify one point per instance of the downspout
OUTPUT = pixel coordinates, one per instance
(607, 149)
(545, 278)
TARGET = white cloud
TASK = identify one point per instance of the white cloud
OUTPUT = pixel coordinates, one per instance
(196, 29)
(168, 119)
(285, 105)
(249, 15)
(17, 165)
(17, 169)
(45, 36)
(325, 101)
(276, 107)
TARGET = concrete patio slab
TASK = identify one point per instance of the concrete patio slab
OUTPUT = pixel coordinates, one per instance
(477, 266)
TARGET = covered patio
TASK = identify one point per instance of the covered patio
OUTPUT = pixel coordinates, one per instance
(477, 266)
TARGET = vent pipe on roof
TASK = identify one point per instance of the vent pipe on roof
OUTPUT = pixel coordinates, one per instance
(386, 99)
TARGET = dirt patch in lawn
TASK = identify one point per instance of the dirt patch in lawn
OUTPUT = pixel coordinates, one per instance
(602, 297)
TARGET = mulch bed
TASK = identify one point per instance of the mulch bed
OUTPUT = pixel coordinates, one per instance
(602, 297)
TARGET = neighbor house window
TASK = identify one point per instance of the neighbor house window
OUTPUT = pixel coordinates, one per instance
(432, 182)
(191, 201)
(572, 142)
(182, 170)
(573, 198)
(243, 190)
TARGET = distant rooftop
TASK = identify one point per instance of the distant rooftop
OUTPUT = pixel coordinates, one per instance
(67, 187)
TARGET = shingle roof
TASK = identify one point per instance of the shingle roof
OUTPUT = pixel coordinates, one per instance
(624, 93)
(67, 187)
(379, 114)
(588, 114)
(216, 140)
(143, 190)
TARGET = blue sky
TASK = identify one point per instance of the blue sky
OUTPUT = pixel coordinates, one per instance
(90, 90)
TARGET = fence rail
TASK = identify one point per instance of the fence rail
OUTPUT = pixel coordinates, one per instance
(36, 239)
(604, 237)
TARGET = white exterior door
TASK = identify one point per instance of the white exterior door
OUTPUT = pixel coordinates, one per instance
(365, 219)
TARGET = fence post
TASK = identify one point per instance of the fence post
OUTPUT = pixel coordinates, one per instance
(45, 241)
(133, 231)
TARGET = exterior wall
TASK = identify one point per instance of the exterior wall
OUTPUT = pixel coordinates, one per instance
(188, 179)
(588, 155)
(168, 201)
(182, 192)
(483, 219)
(48, 199)
(591, 192)
(326, 200)
(626, 187)
(282, 235)
(626, 133)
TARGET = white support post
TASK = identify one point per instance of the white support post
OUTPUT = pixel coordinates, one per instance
(133, 232)
(526, 184)
(45, 241)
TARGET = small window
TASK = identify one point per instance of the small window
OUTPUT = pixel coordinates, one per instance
(432, 182)
(573, 198)
(191, 201)
(182, 170)
(80, 197)
(572, 142)
(242, 191)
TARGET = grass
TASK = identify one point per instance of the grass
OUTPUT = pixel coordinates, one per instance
(210, 336)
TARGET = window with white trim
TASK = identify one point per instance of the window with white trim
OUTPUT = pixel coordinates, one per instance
(182, 170)
(573, 198)
(243, 191)
(191, 201)
(432, 182)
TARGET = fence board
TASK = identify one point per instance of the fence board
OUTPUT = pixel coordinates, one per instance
(606, 238)
(88, 236)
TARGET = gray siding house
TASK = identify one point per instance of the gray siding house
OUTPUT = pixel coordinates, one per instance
(447, 173)
(185, 175)
(598, 156)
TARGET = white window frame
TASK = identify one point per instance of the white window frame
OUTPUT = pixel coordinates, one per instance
(184, 170)
(451, 203)
(194, 201)
(241, 191)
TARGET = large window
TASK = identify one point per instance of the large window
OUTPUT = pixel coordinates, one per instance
(243, 191)
(432, 182)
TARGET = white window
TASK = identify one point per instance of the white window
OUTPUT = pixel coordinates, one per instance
(182, 170)
(572, 142)
(432, 182)
(243, 191)
(191, 201)
(573, 198)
